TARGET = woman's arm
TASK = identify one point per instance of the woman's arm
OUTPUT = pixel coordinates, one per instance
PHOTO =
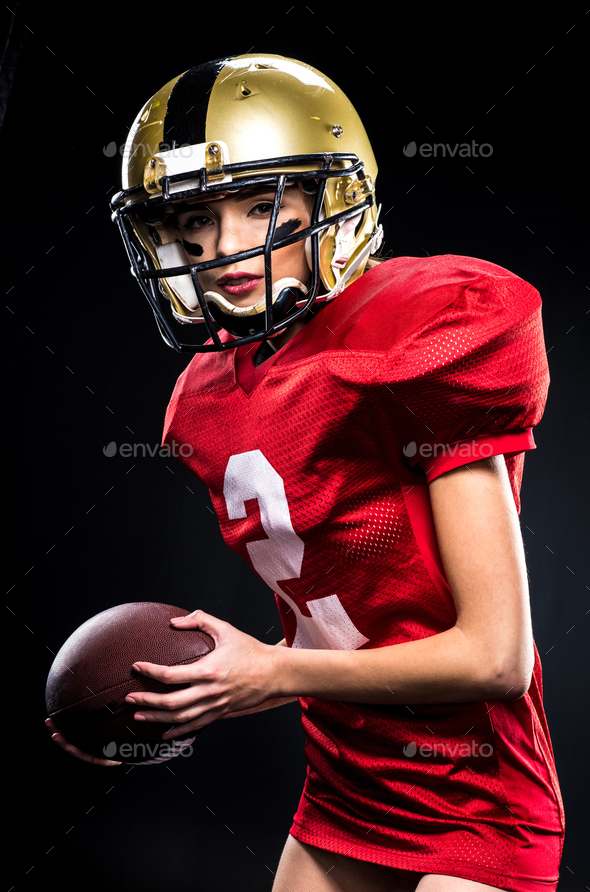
(487, 654)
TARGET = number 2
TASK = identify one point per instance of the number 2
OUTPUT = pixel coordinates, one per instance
(249, 475)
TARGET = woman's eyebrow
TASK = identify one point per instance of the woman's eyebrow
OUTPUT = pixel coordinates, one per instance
(184, 207)
(255, 190)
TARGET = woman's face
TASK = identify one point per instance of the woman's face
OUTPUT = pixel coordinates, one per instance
(213, 229)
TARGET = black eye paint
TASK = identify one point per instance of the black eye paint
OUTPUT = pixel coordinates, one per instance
(286, 229)
(192, 248)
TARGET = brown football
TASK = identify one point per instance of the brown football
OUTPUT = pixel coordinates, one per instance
(91, 676)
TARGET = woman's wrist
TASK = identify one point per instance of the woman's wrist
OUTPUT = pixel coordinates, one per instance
(301, 672)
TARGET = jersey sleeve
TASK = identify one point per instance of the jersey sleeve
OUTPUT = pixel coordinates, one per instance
(470, 382)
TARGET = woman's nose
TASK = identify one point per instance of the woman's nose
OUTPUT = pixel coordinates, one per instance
(231, 240)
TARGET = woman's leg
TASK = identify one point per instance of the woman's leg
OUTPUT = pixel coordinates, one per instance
(437, 883)
(303, 866)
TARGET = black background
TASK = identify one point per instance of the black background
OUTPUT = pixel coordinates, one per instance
(86, 367)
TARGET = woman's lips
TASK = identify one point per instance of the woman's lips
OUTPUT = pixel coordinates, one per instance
(244, 284)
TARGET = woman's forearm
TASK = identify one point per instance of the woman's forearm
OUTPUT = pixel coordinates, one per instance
(444, 668)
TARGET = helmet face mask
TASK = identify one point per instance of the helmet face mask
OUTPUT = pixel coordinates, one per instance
(256, 104)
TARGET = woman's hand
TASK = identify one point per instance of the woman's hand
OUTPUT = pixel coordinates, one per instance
(239, 674)
(73, 750)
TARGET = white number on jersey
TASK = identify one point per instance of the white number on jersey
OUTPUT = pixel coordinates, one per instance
(250, 475)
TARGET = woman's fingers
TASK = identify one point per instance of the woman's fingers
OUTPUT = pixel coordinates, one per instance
(198, 619)
(174, 700)
(58, 738)
(202, 718)
(170, 718)
(186, 672)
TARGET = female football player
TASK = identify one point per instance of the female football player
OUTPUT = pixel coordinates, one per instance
(361, 426)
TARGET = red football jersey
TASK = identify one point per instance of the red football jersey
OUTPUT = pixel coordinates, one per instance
(317, 462)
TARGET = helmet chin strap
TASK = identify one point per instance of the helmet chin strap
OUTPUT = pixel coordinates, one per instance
(231, 310)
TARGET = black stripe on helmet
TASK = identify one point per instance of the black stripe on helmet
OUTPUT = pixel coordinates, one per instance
(186, 112)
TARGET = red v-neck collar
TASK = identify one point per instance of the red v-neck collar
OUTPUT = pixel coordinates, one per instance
(247, 374)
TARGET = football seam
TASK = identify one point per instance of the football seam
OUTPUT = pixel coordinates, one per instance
(121, 683)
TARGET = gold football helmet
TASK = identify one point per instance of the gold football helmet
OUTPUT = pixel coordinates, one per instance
(231, 124)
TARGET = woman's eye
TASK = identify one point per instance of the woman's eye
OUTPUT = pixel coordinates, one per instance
(197, 222)
(263, 209)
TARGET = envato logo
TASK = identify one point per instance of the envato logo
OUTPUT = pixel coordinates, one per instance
(446, 749)
(474, 450)
(438, 149)
(148, 753)
(146, 151)
(137, 450)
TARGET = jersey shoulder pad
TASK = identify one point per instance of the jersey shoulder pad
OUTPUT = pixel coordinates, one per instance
(397, 297)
